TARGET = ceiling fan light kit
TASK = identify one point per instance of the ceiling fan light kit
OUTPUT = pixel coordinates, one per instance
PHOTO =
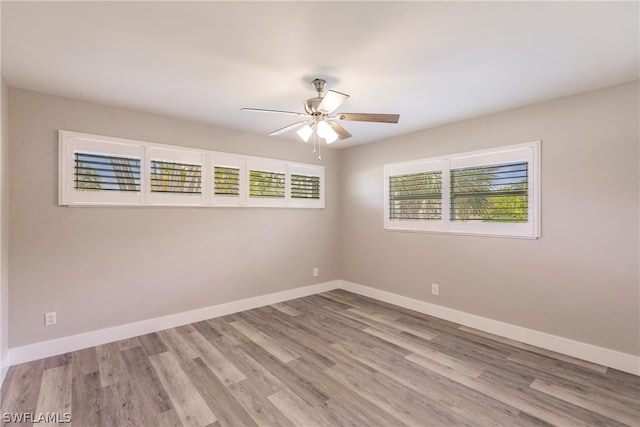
(320, 120)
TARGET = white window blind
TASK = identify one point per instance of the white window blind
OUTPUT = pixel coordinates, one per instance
(266, 184)
(305, 187)
(493, 192)
(416, 196)
(226, 181)
(177, 178)
(98, 170)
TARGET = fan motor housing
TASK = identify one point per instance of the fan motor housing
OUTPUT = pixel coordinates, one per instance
(311, 106)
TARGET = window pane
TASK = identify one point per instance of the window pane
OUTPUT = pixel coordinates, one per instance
(169, 177)
(305, 187)
(95, 172)
(493, 193)
(416, 196)
(226, 181)
(266, 184)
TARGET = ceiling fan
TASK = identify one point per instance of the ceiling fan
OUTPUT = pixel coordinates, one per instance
(319, 117)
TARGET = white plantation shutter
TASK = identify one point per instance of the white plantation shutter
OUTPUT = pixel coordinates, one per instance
(226, 181)
(493, 192)
(306, 186)
(101, 172)
(175, 177)
(98, 170)
(416, 196)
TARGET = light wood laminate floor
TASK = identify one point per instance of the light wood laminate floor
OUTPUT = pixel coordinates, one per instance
(334, 359)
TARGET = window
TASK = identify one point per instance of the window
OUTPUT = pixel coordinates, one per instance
(97, 170)
(305, 185)
(416, 196)
(491, 192)
(176, 178)
(226, 181)
(229, 181)
(266, 184)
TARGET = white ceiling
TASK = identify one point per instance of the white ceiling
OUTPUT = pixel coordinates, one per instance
(431, 62)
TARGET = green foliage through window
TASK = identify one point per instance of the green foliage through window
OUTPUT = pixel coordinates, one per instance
(416, 196)
(181, 178)
(305, 187)
(494, 193)
(266, 184)
(96, 172)
(226, 181)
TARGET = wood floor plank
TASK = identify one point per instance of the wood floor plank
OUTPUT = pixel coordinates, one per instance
(121, 407)
(169, 418)
(215, 393)
(22, 395)
(297, 410)
(462, 401)
(59, 360)
(367, 387)
(593, 366)
(147, 389)
(259, 407)
(55, 393)
(259, 377)
(278, 350)
(609, 408)
(226, 371)
(187, 401)
(286, 309)
(87, 400)
(110, 363)
(177, 343)
(152, 344)
(303, 387)
(334, 359)
(513, 399)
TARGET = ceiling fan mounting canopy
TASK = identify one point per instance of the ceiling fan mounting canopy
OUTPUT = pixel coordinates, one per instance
(320, 109)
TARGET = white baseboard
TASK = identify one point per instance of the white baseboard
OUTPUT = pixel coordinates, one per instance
(591, 353)
(62, 345)
(610, 358)
(4, 366)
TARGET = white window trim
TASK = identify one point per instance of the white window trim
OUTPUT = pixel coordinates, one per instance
(529, 152)
(70, 142)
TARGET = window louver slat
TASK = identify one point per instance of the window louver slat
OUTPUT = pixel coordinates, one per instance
(495, 193)
(305, 187)
(226, 181)
(180, 178)
(266, 184)
(416, 196)
(94, 172)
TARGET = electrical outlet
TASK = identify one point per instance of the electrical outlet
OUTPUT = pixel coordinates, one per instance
(435, 289)
(50, 318)
(315, 272)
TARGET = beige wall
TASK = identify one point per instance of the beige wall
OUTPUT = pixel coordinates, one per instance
(101, 267)
(579, 281)
(4, 221)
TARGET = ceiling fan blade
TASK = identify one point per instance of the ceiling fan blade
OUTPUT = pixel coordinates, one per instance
(342, 132)
(369, 117)
(331, 101)
(288, 128)
(262, 110)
